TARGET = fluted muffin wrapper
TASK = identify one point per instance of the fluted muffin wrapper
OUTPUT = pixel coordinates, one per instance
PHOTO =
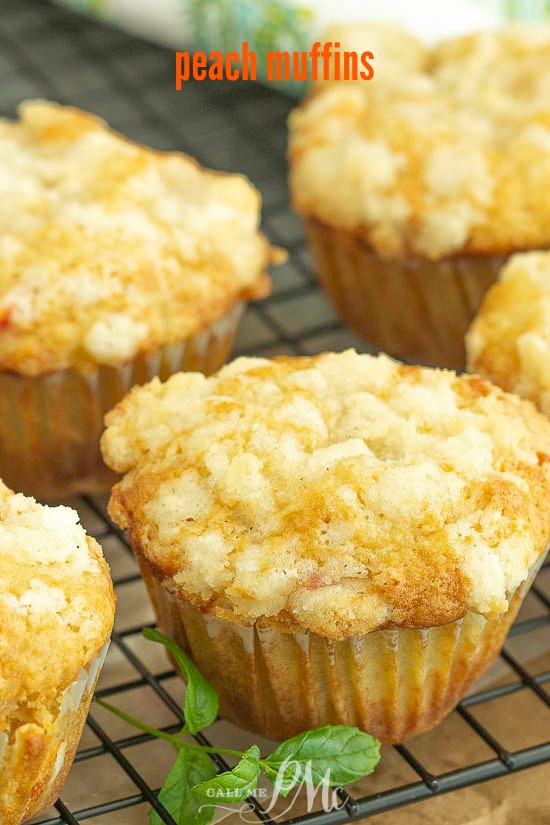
(394, 683)
(50, 425)
(414, 309)
(37, 762)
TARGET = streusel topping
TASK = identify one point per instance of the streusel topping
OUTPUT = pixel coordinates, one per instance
(108, 248)
(339, 493)
(56, 606)
(509, 340)
(443, 151)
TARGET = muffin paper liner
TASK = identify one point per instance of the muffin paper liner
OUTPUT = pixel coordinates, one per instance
(393, 683)
(38, 761)
(50, 425)
(415, 309)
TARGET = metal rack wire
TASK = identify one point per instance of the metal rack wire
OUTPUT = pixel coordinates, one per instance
(46, 51)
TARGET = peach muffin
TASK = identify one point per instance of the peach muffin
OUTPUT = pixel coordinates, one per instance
(117, 263)
(336, 539)
(56, 615)
(415, 186)
(509, 340)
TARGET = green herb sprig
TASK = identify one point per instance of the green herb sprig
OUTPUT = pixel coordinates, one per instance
(334, 755)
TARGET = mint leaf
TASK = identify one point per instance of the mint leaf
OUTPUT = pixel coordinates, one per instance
(235, 785)
(176, 795)
(201, 700)
(332, 755)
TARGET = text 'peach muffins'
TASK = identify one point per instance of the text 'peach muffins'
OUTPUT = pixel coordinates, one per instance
(117, 263)
(338, 539)
(56, 615)
(415, 186)
(509, 340)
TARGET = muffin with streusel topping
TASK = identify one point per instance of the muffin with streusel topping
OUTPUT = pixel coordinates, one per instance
(415, 186)
(56, 615)
(336, 539)
(509, 340)
(117, 263)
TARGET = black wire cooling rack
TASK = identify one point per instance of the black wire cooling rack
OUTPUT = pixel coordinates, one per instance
(46, 51)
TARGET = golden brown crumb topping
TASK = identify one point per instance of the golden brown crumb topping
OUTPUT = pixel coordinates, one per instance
(509, 340)
(445, 150)
(338, 493)
(108, 248)
(56, 606)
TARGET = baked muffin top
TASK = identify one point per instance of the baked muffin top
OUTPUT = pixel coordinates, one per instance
(108, 248)
(509, 340)
(339, 493)
(56, 607)
(445, 151)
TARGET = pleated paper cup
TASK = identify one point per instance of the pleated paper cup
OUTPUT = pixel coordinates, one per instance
(393, 683)
(415, 309)
(50, 425)
(34, 761)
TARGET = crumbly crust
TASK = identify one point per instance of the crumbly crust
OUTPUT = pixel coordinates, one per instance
(56, 609)
(108, 248)
(444, 151)
(509, 340)
(339, 494)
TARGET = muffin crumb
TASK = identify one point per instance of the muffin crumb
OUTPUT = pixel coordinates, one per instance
(509, 340)
(458, 133)
(339, 493)
(109, 248)
(56, 607)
